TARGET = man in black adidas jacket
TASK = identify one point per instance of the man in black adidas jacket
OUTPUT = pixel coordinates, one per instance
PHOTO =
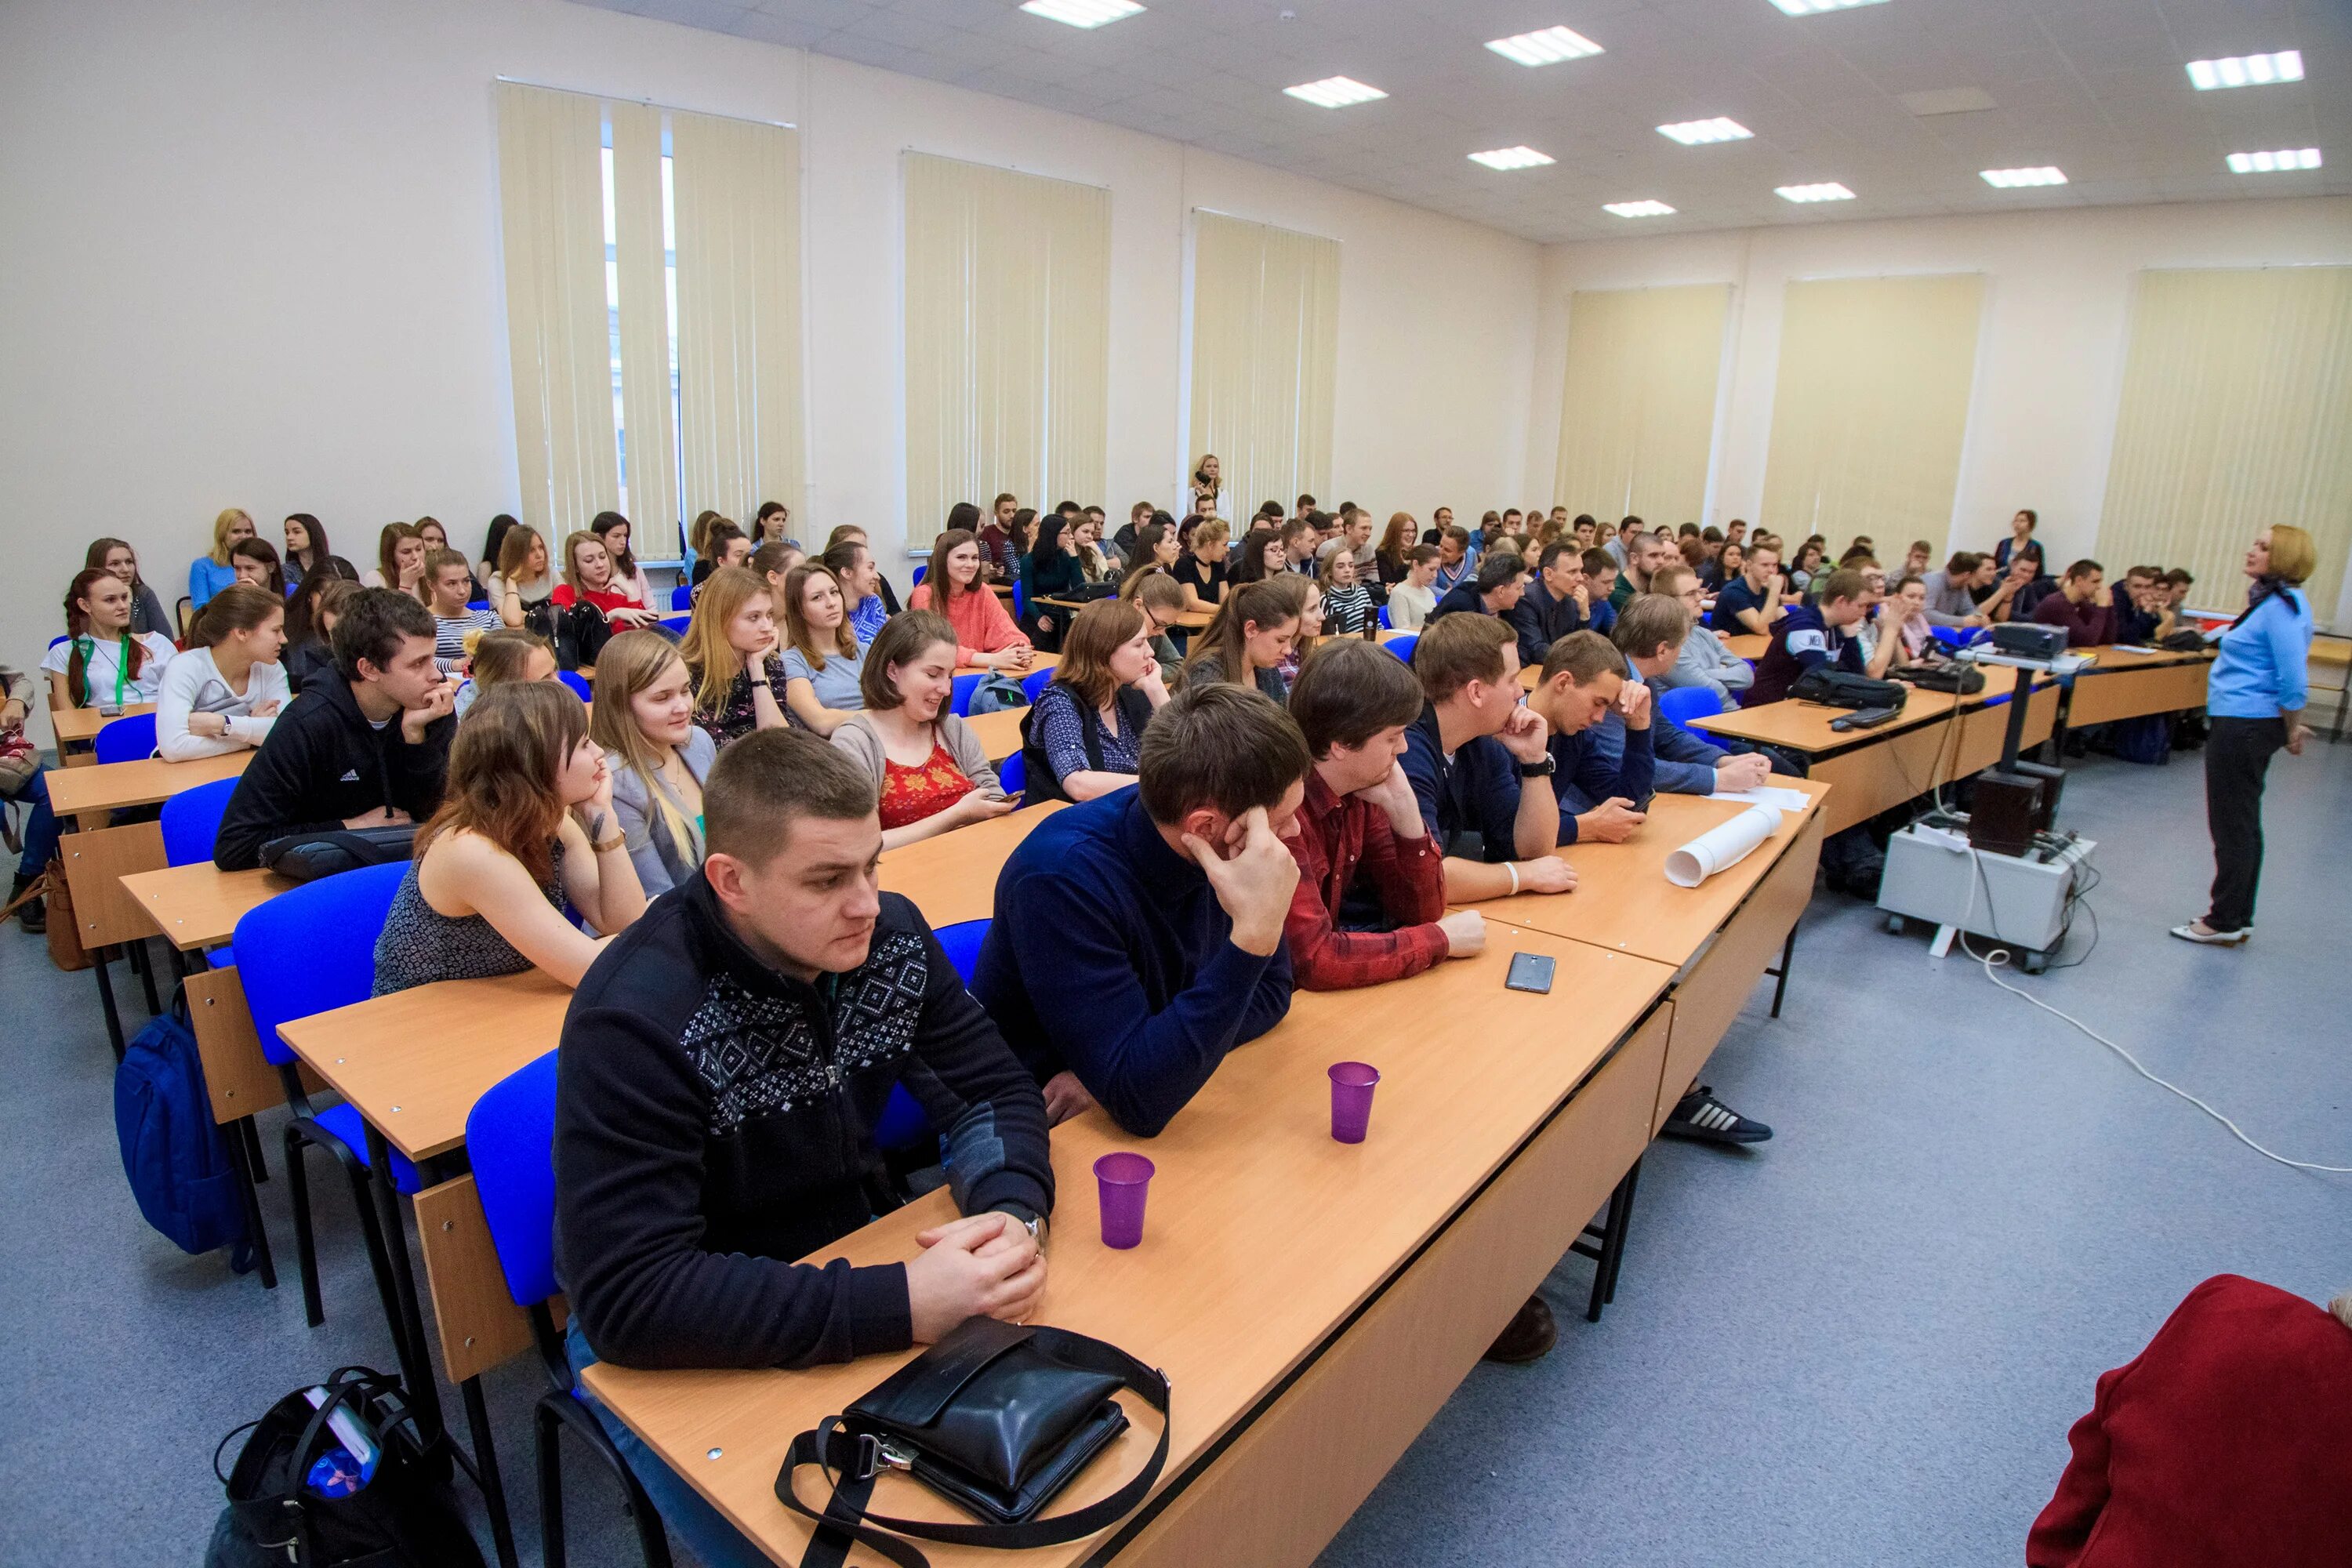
(363, 745)
(723, 1067)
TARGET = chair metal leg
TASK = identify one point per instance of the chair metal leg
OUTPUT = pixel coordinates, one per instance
(99, 960)
(485, 1471)
(559, 1410)
(241, 1147)
(408, 1317)
(251, 1132)
(143, 964)
(548, 1429)
(1605, 1244)
(379, 1265)
(1788, 951)
(306, 1251)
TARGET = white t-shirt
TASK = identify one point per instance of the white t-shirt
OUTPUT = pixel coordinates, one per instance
(192, 683)
(102, 664)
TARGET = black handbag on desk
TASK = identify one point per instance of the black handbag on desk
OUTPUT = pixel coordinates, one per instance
(997, 1418)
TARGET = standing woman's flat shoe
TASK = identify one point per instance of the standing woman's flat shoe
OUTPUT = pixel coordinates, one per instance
(2197, 932)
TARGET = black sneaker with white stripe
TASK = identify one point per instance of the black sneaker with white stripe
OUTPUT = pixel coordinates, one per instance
(1703, 1119)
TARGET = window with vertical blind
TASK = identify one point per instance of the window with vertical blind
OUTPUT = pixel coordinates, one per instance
(1265, 358)
(2236, 414)
(653, 310)
(1870, 408)
(1637, 408)
(1007, 339)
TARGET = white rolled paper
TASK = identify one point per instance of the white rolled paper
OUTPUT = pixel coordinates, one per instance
(1722, 846)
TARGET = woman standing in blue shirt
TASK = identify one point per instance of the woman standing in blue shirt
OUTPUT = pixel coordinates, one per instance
(2254, 696)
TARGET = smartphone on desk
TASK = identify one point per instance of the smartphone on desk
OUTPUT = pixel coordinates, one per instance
(1530, 971)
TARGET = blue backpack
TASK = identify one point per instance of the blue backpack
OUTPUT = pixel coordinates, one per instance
(173, 1151)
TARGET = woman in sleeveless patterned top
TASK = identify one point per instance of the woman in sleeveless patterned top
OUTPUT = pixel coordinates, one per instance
(526, 823)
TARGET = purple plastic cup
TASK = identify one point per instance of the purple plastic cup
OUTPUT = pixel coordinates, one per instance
(1352, 1100)
(1122, 1179)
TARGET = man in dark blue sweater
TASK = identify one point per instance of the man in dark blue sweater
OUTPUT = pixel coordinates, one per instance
(1649, 638)
(1495, 591)
(1138, 937)
(1811, 635)
(722, 1069)
(1582, 687)
(1554, 602)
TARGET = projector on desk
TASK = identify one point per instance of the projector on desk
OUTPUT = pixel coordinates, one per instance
(2028, 640)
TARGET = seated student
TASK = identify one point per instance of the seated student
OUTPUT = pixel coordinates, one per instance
(1951, 591)
(146, 610)
(255, 561)
(1810, 635)
(1157, 551)
(2225, 1444)
(844, 534)
(1347, 603)
(502, 655)
(1086, 729)
(985, 634)
(772, 562)
(1493, 590)
(1157, 594)
(311, 616)
(400, 553)
(103, 662)
(1601, 574)
(1479, 766)
(644, 719)
(366, 748)
(1703, 658)
(21, 778)
(1202, 571)
(932, 771)
(1554, 601)
(493, 543)
(1904, 634)
(448, 581)
(525, 579)
(2177, 584)
(1129, 533)
(526, 826)
(1138, 938)
(1651, 553)
(628, 575)
(1246, 639)
(1354, 539)
(306, 546)
(1352, 703)
(226, 691)
(1098, 558)
(2084, 605)
(2034, 583)
(209, 573)
(1262, 556)
(1603, 796)
(724, 544)
(1750, 605)
(589, 579)
(824, 662)
(1458, 561)
(1412, 597)
(856, 578)
(2143, 614)
(695, 1158)
(1650, 636)
(773, 524)
(1620, 548)
(1000, 553)
(732, 655)
(1305, 598)
(1051, 568)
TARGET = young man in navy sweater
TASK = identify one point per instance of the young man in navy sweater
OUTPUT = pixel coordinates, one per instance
(722, 1069)
(1138, 937)
(1493, 591)
(1808, 635)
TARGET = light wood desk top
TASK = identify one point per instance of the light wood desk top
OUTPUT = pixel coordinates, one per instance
(1805, 726)
(414, 1063)
(952, 879)
(1748, 645)
(1261, 1237)
(199, 906)
(1037, 661)
(2108, 657)
(84, 723)
(110, 787)
(1622, 900)
(999, 733)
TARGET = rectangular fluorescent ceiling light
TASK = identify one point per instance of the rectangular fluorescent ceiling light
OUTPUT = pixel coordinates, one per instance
(2011, 179)
(1334, 92)
(1815, 8)
(1692, 132)
(1082, 13)
(1637, 209)
(2268, 162)
(1829, 191)
(2247, 71)
(1548, 48)
(1526, 158)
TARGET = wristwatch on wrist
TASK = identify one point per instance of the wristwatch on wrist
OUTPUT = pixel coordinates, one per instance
(1035, 1225)
(1542, 770)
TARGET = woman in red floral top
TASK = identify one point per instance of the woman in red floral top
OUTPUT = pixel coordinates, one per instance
(930, 767)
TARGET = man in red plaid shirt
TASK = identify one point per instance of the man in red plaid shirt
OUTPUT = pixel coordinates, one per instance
(1352, 702)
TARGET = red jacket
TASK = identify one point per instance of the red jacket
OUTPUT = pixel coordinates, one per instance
(2226, 1443)
(1337, 835)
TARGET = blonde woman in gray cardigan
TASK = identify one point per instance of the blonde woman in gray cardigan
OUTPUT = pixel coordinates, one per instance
(927, 767)
(643, 717)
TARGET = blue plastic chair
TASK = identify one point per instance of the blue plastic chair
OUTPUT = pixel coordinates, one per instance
(510, 1142)
(1403, 646)
(682, 596)
(578, 684)
(959, 698)
(1033, 686)
(1685, 703)
(675, 625)
(1012, 772)
(917, 580)
(1384, 620)
(192, 822)
(477, 603)
(1020, 600)
(962, 941)
(311, 950)
(126, 739)
(903, 1124)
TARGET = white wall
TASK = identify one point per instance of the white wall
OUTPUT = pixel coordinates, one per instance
(2049, 358)
(250, 256)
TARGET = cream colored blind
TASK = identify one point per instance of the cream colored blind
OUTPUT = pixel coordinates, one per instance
(1870, 406)
(559, 334)
(642, 287)
(1265, 358)
(1008, 338)
(2236, 414)
(736, 190)
(1637, 408)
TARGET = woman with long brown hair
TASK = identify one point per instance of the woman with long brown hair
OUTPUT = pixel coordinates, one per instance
(951, 585)
(224, 693)
(823, 665)
(255, 561)
(118, 557)
(643, 717)
(526, 823)
(1086, 733)
(731, 653)
(525, 578)
(306, 546)
(1246, 639)
(103, 662)
(400, 553)
(930, 773)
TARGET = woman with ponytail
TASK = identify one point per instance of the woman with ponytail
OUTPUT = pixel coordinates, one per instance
(226, 691)
(103, 662)
(1245, 640)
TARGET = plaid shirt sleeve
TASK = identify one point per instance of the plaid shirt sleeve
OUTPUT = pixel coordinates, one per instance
(1412, 889)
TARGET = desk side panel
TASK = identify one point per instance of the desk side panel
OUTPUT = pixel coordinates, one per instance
(479, 1324)
(96, 862)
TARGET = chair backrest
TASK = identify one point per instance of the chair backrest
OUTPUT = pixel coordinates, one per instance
(959, 699)
(962, 941)
(682, 596)
(312, 948)
(675, 625)
(1384, 620)
(1032, 685)
(510, 1142)
(1685, 703)
(578, 684)
(1012, 772)
(477, 603)
(1403, 646)
(192, 822)
(917, 580)
(127, 739)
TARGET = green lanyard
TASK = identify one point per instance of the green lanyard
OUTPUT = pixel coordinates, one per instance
(122, 665)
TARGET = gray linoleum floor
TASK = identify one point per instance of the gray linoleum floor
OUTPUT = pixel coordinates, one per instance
(1861, 1344)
